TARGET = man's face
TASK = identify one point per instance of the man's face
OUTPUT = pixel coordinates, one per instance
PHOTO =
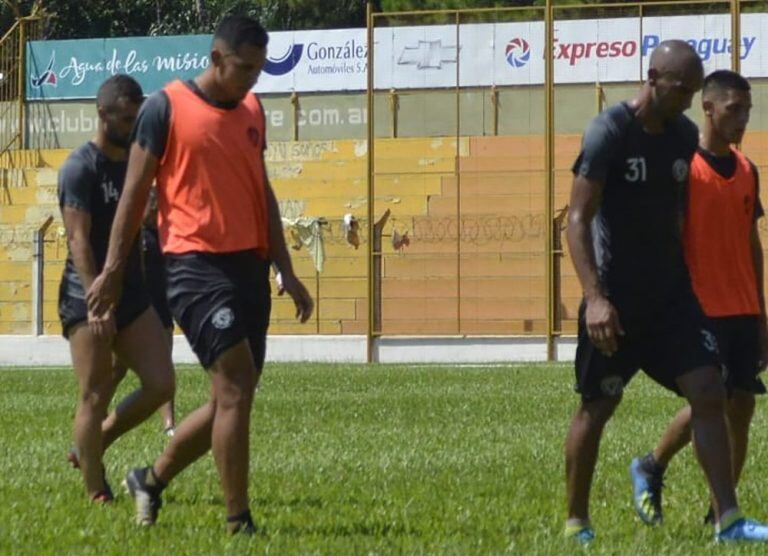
(239, 70)
(728, 112)
(674, 90)
(119, 120)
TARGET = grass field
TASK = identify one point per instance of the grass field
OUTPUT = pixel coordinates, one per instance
(364, 460)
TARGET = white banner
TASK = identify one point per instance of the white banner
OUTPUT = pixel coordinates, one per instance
(585, 51)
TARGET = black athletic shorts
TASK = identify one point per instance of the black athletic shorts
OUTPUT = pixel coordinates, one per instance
(73, 309)
(220, 299)
(666, 345)
(154, 275)
(739, 344)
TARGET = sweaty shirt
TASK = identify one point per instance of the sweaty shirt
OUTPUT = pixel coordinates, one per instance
(636, 230)
(723, 204)
(92, 183)
(211, 178)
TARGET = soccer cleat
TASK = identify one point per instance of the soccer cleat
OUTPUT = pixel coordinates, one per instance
(169, 431)
(583, 535)
(146, 498)
(246, 528)
(743, 530)
(647, 492)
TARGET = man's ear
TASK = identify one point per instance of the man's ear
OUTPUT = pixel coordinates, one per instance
(216, 57)
(653, 76)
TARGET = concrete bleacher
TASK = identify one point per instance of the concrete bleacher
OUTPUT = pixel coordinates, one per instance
(488, 279)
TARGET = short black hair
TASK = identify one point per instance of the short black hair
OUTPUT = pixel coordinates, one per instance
(237, 30)
(721, 81)
(117, 87)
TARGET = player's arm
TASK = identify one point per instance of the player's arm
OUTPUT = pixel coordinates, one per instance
(77, 225)
(756, 248)
(586, 195)
(149, 139)
(590, 173)
(281, 258)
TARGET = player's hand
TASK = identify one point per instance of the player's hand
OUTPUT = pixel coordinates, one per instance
(104, 293)
(102, 326)
(762, 340)
(603, 325)
(300, 296)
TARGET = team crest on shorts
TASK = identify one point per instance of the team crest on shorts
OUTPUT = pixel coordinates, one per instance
(612, 385)
(223, 318)
(709, 341)
(680, 170)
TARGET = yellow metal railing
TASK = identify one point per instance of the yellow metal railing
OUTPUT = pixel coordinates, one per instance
(549, 15)
(13, 80)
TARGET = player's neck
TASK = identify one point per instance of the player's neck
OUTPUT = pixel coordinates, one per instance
(206, 82)
(112, 152)
(645, 112)
(714, 144)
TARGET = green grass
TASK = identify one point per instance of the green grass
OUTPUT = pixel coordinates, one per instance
(364, 460)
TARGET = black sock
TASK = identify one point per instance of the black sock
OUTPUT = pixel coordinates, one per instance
(650, 465)
(242, 522)
(152, 481)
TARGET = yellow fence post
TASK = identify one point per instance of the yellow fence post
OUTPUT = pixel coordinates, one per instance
(296, 108)
(458, 173)
(549, 93)
(371, 286)
(21, 79)
(735, 35)
(393, 109)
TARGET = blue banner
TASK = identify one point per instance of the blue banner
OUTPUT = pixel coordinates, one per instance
(74, 69)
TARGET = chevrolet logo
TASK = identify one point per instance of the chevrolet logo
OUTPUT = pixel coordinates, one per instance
(428, 55)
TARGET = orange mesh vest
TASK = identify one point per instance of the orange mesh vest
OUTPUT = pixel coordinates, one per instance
(718, 225)
(211, 190)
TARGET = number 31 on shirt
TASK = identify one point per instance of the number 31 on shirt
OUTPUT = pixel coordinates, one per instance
(636, 170)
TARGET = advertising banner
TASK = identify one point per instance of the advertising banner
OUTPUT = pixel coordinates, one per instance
(418, 57)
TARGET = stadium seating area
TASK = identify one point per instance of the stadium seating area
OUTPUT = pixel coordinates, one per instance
(489, 279)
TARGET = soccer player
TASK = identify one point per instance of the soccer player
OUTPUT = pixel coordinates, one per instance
(203, 141)
(90, 184)
(639, 310)
(725, 261)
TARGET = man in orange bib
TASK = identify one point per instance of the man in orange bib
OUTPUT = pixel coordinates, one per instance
(725, 261)
(219, 226)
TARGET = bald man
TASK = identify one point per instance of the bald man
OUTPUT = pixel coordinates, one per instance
(639, 310)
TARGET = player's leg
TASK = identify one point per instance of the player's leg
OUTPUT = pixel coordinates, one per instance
(168, 410)
(600, 381)
(676, 437)
(234, 378)
(119, 370)
(142, 346)
(705, 392)
(741, 408)
(581, 450)
(92, 361)
(744, 384)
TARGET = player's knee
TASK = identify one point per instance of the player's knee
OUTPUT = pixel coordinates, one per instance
(96, 399)
(235, 394)
(708, 397)
(162, 387)
(599, 411)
